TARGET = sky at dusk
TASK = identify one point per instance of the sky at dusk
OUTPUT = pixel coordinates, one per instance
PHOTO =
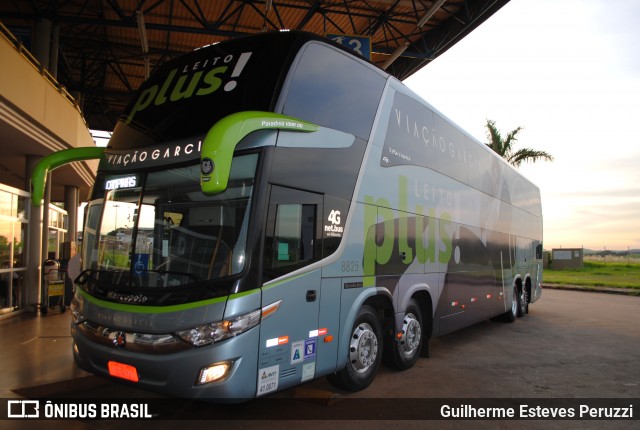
(568, 72)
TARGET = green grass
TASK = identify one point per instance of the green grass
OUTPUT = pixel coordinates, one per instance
(618, 273)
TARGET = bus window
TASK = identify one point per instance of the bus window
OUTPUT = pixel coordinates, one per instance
(161, 229)
(294, 236)
(317, 93)
(91, 226)
(116, 229)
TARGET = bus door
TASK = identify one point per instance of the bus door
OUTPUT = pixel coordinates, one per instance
(289, 336)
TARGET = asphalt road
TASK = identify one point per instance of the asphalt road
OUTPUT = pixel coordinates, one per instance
(571, 345)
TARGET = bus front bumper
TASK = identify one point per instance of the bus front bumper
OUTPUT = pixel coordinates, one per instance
(178, 373)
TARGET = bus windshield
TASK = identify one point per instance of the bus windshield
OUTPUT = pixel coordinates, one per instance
(158, 229)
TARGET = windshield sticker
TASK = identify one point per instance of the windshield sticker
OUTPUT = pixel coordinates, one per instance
(141, 264)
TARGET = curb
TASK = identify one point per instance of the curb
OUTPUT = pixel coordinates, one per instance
(594, 289)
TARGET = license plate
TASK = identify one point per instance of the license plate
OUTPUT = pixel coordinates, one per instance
(124, 371)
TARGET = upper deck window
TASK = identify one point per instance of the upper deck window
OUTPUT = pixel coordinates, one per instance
(332, 89)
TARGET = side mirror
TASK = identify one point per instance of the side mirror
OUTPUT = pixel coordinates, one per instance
(57, 159)
(221, 141)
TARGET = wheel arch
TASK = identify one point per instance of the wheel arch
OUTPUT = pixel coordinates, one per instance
(528, 286)
(517, 282)
(423, 297)
(383, 304)
(379, 299)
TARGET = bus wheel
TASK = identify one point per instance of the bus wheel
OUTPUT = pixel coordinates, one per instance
(512, 314)
(404, 352)
(523, 303)
(365, 353)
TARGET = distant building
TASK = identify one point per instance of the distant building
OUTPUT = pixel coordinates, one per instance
(567, 258)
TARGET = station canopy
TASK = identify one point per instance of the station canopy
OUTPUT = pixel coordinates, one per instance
(107, 47)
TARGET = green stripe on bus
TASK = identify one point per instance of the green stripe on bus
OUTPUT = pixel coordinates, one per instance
(158, 309)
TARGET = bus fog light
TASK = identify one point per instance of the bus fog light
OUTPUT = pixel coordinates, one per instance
(214, 372)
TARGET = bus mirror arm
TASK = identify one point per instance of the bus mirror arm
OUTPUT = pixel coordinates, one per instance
(55, 160)
(221, 140)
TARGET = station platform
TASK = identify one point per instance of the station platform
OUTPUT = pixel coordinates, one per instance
(37, 362)
(36, 355)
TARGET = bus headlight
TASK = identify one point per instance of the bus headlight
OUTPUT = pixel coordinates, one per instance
(217, 331)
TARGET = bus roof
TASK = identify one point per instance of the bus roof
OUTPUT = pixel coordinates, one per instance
(186, 96)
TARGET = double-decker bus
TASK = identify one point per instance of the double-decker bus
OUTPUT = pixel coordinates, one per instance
(274, 209)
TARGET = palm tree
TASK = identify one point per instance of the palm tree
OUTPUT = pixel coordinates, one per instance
(504, 147)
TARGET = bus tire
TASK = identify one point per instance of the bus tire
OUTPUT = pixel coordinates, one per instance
(512, 314)
(523, 303)
(403, 353)
(364, 355)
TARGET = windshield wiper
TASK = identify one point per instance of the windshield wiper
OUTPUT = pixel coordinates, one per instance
(87, 274)
(128, 277)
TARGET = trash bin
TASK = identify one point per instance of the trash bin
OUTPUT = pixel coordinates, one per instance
(50, 269)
